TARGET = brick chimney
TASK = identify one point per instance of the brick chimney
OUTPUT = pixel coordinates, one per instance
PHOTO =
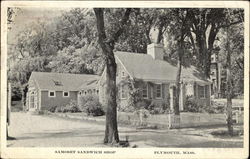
(156, 51)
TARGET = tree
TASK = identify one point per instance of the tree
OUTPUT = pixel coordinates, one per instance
(107, 45)
(234, 48)
(206, 23)
(181, 16)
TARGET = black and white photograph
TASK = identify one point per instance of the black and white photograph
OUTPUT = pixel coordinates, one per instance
(125, 77)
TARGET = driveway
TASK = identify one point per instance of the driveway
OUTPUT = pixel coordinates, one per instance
(49, 131)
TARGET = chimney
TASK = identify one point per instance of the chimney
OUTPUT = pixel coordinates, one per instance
(156, 51)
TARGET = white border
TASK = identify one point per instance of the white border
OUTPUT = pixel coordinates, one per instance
(121, 152)
(66, 92)
(50, 95)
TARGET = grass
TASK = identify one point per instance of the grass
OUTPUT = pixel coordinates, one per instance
(225, 135)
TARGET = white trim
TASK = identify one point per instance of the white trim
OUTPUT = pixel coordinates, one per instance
(44, 90)
(66, 92)
(156, 91)
(124, 66)
(50, 92)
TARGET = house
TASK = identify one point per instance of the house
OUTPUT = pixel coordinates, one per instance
(46, 89)
(216, 76)
(155, 78)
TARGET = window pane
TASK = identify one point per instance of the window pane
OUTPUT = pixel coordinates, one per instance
(201, 91)
(66, 94)
(52, 94)
(123, 92)
(158, 90)
(145, 91)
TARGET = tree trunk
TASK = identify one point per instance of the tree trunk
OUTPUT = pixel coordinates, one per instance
(178, 78)
(24, 95)
(229, 89)
(107, 45)
(111, 132)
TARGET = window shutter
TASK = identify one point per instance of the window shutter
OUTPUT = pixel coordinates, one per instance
(163, 90)
(195, 93)
(206, 91)
(154, 91)
(149, 90)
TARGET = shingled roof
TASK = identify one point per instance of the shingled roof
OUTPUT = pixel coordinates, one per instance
(143, 66)
(62, 81)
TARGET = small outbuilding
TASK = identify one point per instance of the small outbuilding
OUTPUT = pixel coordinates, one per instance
(47, 89)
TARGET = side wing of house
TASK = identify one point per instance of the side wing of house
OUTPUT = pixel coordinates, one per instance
(50, 98)
(33, 100)
(200, 91)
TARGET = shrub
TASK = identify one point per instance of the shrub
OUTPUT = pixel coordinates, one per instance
(191, 105)
(90, 104)
(84, 99)
(94, 108)
(52, 109)
(142, 114)
(59, 109)
(71, 107)
(143, 104)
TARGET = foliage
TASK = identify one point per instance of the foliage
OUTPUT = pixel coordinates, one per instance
(94, 108)
(90, 104)
(72, 107)
(191, 105)
(52, 109)
(84, 99)
(59, 109)
(68, 43)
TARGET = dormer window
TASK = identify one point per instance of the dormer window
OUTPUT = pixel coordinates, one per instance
(57, 83)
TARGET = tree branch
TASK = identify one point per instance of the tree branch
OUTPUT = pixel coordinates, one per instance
(228, 25)
(124, 20)
(100, 25)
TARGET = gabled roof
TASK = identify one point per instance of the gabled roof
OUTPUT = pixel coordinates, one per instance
(61, 81)
(91, 84)
(143, 66)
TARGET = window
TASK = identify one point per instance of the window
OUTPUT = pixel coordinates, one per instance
(212, 59)
(97, 91)
(158, 90)
(123, 74)
(65, 94)
(52, 94)
(145, 91)
(202, 91)
(123, 92)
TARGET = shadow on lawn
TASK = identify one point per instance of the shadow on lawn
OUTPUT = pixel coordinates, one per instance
(73, 133)
(206, 144)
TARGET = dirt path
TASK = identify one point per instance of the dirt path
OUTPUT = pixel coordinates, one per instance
(44, 131)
